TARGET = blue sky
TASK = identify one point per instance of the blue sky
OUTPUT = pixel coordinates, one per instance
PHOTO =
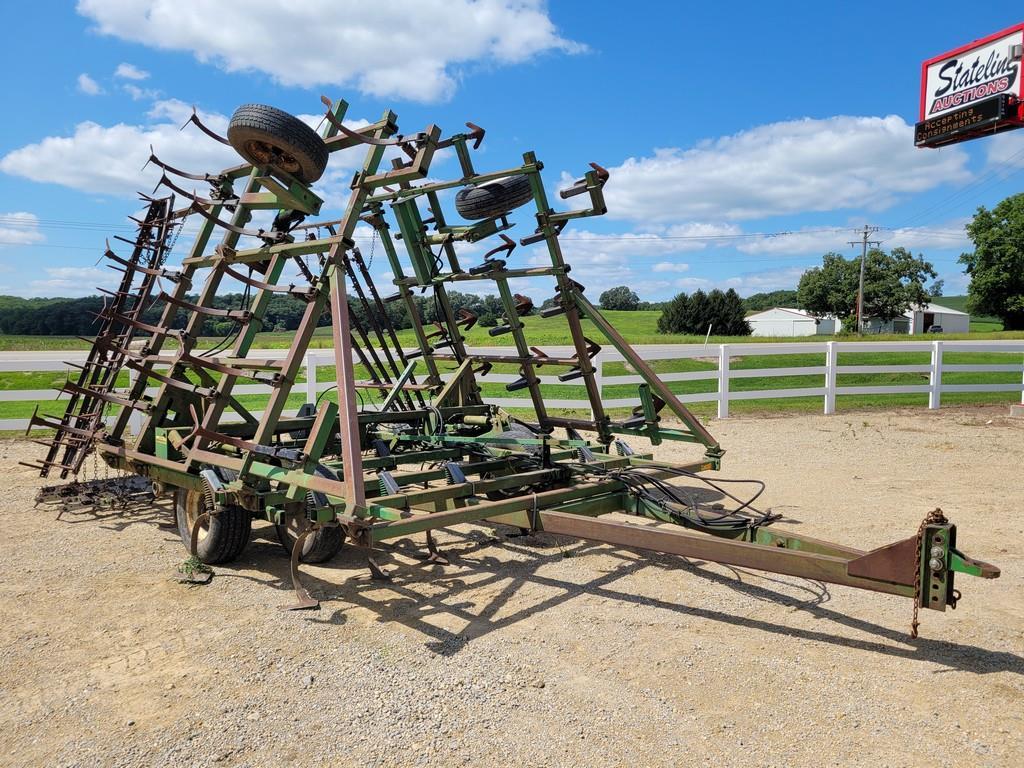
(723, 124)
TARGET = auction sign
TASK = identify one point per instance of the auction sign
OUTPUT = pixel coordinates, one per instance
(972, 91)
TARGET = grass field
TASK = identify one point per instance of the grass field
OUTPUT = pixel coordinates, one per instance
(638, 328)
(575, 391)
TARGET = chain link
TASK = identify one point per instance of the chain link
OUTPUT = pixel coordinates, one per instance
(373, 245)
(935, 517)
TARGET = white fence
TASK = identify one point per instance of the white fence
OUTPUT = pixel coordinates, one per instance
(723, 373)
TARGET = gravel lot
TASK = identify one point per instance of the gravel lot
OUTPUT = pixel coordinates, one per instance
(537, 651)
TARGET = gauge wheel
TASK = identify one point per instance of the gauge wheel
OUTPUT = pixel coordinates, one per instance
(320, 546)
(271, 138)
(222, 536)
(493, 198)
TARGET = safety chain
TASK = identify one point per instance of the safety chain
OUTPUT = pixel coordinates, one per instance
(935, 517)
(373, 245)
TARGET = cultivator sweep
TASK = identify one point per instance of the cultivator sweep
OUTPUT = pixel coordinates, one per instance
(411, 445)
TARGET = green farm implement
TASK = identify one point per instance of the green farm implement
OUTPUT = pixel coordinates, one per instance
(411, 444)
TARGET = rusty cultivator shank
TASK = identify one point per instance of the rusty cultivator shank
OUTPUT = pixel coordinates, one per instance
(411, 445)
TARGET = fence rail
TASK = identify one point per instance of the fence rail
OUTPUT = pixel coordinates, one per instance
(1010, 356)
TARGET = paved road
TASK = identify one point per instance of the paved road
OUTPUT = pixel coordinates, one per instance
(56, 360)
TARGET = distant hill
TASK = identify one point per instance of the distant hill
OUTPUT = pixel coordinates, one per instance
(960, 303)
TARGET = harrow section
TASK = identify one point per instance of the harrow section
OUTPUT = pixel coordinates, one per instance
(408, 441)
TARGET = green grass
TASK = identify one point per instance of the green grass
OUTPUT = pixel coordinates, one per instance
(575, 391)
(636, 327)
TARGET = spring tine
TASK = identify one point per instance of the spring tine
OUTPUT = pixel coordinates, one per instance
(304, 601)
(396, 141)
(198, 208)
(177, 171)
(135, 243)
(508, 244)
(46, 423)
(199, 124)
(106, 397)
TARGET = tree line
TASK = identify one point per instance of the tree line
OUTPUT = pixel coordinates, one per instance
(78, 316)
(893, 282)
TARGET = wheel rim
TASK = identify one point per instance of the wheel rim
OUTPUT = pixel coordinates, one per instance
(268, 154)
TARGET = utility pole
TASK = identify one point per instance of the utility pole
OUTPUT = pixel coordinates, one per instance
(864, 242)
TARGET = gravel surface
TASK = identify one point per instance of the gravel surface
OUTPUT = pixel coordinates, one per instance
(536, 650)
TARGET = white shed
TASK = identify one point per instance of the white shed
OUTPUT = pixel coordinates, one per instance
(950, 320)
(783, 321)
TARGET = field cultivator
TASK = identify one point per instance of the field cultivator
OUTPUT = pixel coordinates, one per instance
(412, 445)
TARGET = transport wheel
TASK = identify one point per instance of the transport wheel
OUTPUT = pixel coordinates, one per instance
(320, 546)
(493, 198)
(223, 536)
(266, 136)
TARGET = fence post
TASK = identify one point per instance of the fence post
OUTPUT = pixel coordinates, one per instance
(723, 381)
(935, 377)
(831, 357)
(310, 378)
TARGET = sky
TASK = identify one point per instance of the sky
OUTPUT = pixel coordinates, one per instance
(744, 139)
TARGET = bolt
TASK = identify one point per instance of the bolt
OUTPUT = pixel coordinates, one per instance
(935, 564)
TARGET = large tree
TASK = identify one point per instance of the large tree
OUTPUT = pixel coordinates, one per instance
(755, 302)
(893, 282)
(722, 312)
(619, 297)
(996, 266)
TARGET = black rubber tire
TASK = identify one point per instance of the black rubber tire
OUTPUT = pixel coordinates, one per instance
(493, 198)
(227, 533)
(324, 543)
(319, 547)
(269, 137)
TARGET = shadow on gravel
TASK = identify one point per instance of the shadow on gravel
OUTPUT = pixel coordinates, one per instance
(422, 592)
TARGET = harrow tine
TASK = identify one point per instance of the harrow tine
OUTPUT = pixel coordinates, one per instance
(435, 555)
(199, 124)
(508, 245)
(45, 423)
(304, 600)
(177, 171)
(262, 234)
(476, 133)
(399, 140)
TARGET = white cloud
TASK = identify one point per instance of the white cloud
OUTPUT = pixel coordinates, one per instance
(670, 266)
(88, 86)
(817, 240)
(407, 48)
(1006, 150)
(950, 236)
(71, 282)
(763, 280)
(811, 240)
(744, 284)
(782, 168)
(130, 72)
(19, 228)
(138, 94)
(108, 159)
